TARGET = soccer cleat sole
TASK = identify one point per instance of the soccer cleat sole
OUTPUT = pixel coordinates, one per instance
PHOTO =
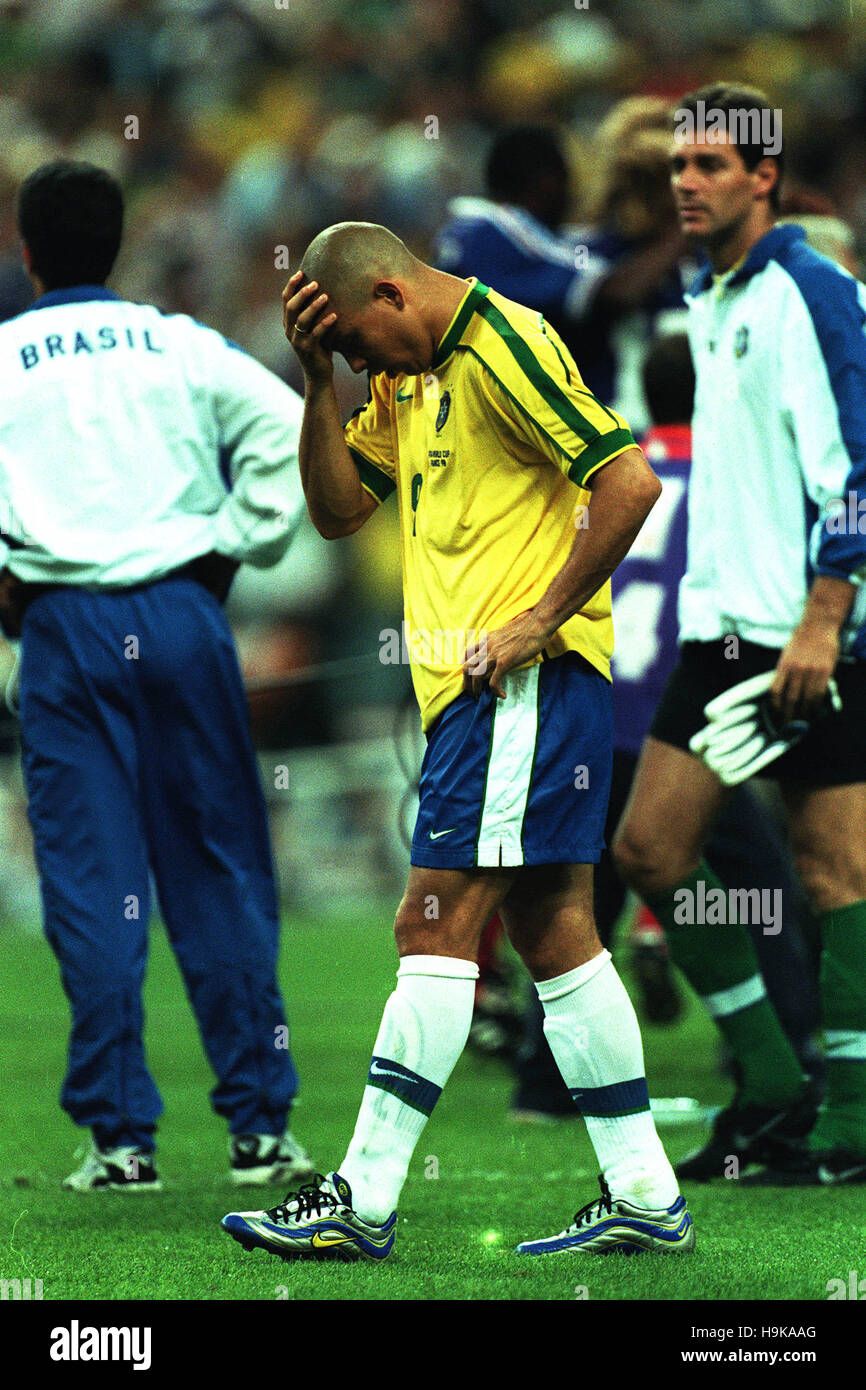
(342, 1252)
(619, 1239)
(661, 1000)
(339, 1254)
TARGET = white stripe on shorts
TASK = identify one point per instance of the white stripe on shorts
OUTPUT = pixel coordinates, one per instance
(730, 1001)
(515, 733)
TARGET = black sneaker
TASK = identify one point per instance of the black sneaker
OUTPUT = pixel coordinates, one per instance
(260, 1159)
(125, 1169)
(798, 1166)
(750, 1134)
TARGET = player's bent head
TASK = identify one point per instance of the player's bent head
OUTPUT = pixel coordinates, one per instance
(739, 116)
(669, 380)
(368, 273)
(349, 258)
(70, 216)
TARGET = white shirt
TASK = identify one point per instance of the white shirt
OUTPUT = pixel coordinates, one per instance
(779, 432)
(132, 441)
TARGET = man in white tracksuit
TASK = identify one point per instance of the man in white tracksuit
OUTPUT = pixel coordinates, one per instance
(143, 457)
(773, 592)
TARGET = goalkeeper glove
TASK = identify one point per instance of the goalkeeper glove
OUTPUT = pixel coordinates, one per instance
(744, 733)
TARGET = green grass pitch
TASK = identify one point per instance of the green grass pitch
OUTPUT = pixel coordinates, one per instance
(496, 1183)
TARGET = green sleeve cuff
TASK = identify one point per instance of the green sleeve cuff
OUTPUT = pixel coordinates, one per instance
(372, 478)
(600, 451)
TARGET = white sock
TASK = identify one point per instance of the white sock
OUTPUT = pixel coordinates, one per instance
(423, 1032)
(593, 1032)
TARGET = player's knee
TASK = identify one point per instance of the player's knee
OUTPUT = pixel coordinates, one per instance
(831, 879)
(636, 856)
(422, 927)
(646, 862)
(555, 954)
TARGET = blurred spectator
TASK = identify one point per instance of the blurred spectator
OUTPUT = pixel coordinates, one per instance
(16, 292)
(825, 231)
(607, 288)
(510, 239)
(832, 237)
(635, 230)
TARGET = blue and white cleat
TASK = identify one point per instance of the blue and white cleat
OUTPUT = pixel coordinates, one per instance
(610, 1224)
(315, 1222)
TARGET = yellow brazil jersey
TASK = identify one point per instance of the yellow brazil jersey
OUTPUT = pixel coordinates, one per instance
(488, 452)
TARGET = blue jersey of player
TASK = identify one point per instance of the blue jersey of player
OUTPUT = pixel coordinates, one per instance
(560, 273)
(645, 588)
(517, 255)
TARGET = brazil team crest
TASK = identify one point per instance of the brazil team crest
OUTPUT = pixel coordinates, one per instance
(741, 341)
(444, 407)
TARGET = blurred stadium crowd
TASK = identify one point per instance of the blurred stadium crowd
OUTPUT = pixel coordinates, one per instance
(240, 128)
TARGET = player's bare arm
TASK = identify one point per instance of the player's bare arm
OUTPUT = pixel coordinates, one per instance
(624, 492)
(628, 285)
(809, 659)
(337, 503)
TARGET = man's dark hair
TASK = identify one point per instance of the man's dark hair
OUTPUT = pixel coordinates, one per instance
(729, 97)
(669, 380)
(70, 214)
(520, 155)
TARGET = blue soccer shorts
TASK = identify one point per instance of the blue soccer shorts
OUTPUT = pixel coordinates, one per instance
(524, 780)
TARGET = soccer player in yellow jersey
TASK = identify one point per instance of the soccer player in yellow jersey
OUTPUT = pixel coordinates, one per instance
(519, 493)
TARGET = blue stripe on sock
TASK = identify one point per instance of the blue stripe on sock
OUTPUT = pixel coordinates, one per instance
(406, 1085)
(621, 1098)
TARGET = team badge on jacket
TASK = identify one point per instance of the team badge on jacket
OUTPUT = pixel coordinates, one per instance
(741, 341)
(444, 407)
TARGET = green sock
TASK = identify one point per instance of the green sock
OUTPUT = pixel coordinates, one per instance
(842, 1121)
(720, 963)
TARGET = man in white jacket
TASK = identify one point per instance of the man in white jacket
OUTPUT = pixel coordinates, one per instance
(143, 457)
(771, 614)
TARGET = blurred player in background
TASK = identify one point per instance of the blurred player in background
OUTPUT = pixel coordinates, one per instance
(513, 237)
(746, 847)
(602, 287)
(772, 592)
(478, 420)
(634, 228)
(143, 458)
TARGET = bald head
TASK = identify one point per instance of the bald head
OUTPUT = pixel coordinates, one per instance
(349, 258)
(386, 311)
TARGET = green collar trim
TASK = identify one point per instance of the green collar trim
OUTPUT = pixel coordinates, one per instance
(454, 332)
